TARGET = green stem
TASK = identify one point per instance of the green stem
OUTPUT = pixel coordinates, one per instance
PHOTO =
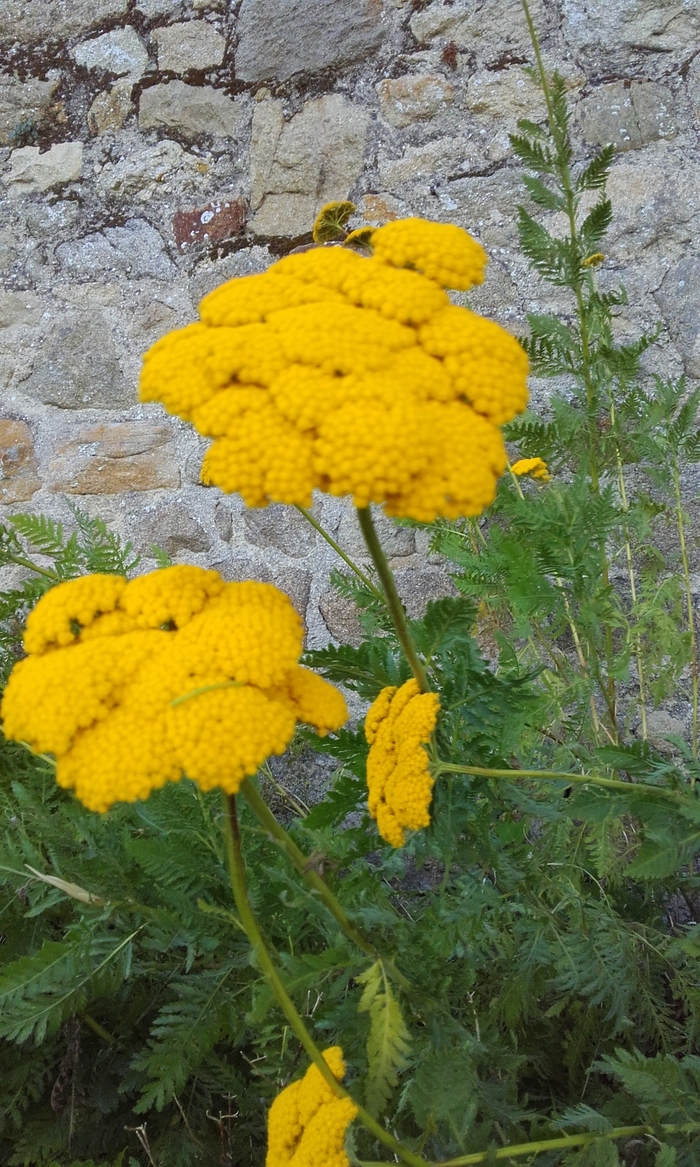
(250, 924)
(392, 597)
(339, 551)
(301, 862)
(688, 600)
(20, 561)
(517, 1150)
(556, 776)
(632, 578)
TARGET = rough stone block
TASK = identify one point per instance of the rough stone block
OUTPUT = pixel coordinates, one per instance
(627, 115)
(506, 96)
(278, 38)
(39, 20)
(173, 529)
(608, 37)
(134, 250)
(113, 458)
(417, 588)
(19, 308)
(189, 44)
(281, 527)
(120, 51)
(293, 580)
(299, 165)
(18, 470)
(394, 539)
(193, 110)
(209, 224)
(33, 171)
(340, 617)
(494, 31)
(414, 97)
(151, 171)
(110, 109)
(76, 366)
(22, 101)
(678, 300)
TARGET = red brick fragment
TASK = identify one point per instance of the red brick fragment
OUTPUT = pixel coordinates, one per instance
(213, 223)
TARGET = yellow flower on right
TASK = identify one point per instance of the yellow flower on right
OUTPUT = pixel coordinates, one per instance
(398, 726)
(307, 1121)
(532, 468)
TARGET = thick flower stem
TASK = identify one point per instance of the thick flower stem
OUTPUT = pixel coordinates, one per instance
(339, 551)
(519, 1150)
(305, 868)
(252, 930)
(556, 776)
(393, 600)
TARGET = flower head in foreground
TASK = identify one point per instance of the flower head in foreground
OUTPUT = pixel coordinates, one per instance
(532, 468)
(131, 684)
(398, 726)
(307, 1121)
(352, 375)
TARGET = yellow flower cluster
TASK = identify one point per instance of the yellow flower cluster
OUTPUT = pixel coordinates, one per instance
(398, 726)
(352, 375)
(533, 468)
(307, 1121)
(130, 684)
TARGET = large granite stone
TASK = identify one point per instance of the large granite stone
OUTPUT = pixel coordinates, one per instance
(135, 250)
(189, 44)
(114, 458)
(627, 115)
(40, 20)
(22, 101)
(76, 365)
(414, 97)
(299, 165)
(120, 51)
(18, 469)
(281, 527)
(33, 171)
(192, 110)
(495, 31)
(678, 300)
(172, 528)
(646, 34)
(278, 38)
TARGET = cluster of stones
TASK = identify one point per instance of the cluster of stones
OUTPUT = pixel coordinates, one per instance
(149, 150)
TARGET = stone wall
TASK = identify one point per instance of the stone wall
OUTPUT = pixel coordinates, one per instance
(150, 149)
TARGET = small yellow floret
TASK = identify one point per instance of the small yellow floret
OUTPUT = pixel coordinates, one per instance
(532, 467)
(307, 1120)
(185, 673)
(351, 375)
(398, 726)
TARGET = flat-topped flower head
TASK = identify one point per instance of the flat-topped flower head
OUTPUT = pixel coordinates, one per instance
(307, 1121)
(130, 685)
(398, 726)
(532, 468)
(350, 374)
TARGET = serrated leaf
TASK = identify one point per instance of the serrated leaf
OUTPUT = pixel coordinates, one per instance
(388, 1044)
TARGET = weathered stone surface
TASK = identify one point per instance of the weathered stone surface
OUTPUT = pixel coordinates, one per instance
(340, 617)
(299, 165)
(18, 470)
(193, 110)
(37, 20)
(418, 587)
(420, 163)
(110, 109)
(76, 366)
(151, 172)
(508, 94)
(414, 97)
(494, 30)
(112, 458)
(678, 300)
(22, 101)
(223, 520)
(189, 44)
(277, 38)
(655, 197)
(293, 580)
(209, 224)
(9, 248)
(281, 527)
(627, 115)
(135, 250)
(394, 539)
(120, 51)
(173, 529)
(19, 308)
(607, 36)
(33, 171)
